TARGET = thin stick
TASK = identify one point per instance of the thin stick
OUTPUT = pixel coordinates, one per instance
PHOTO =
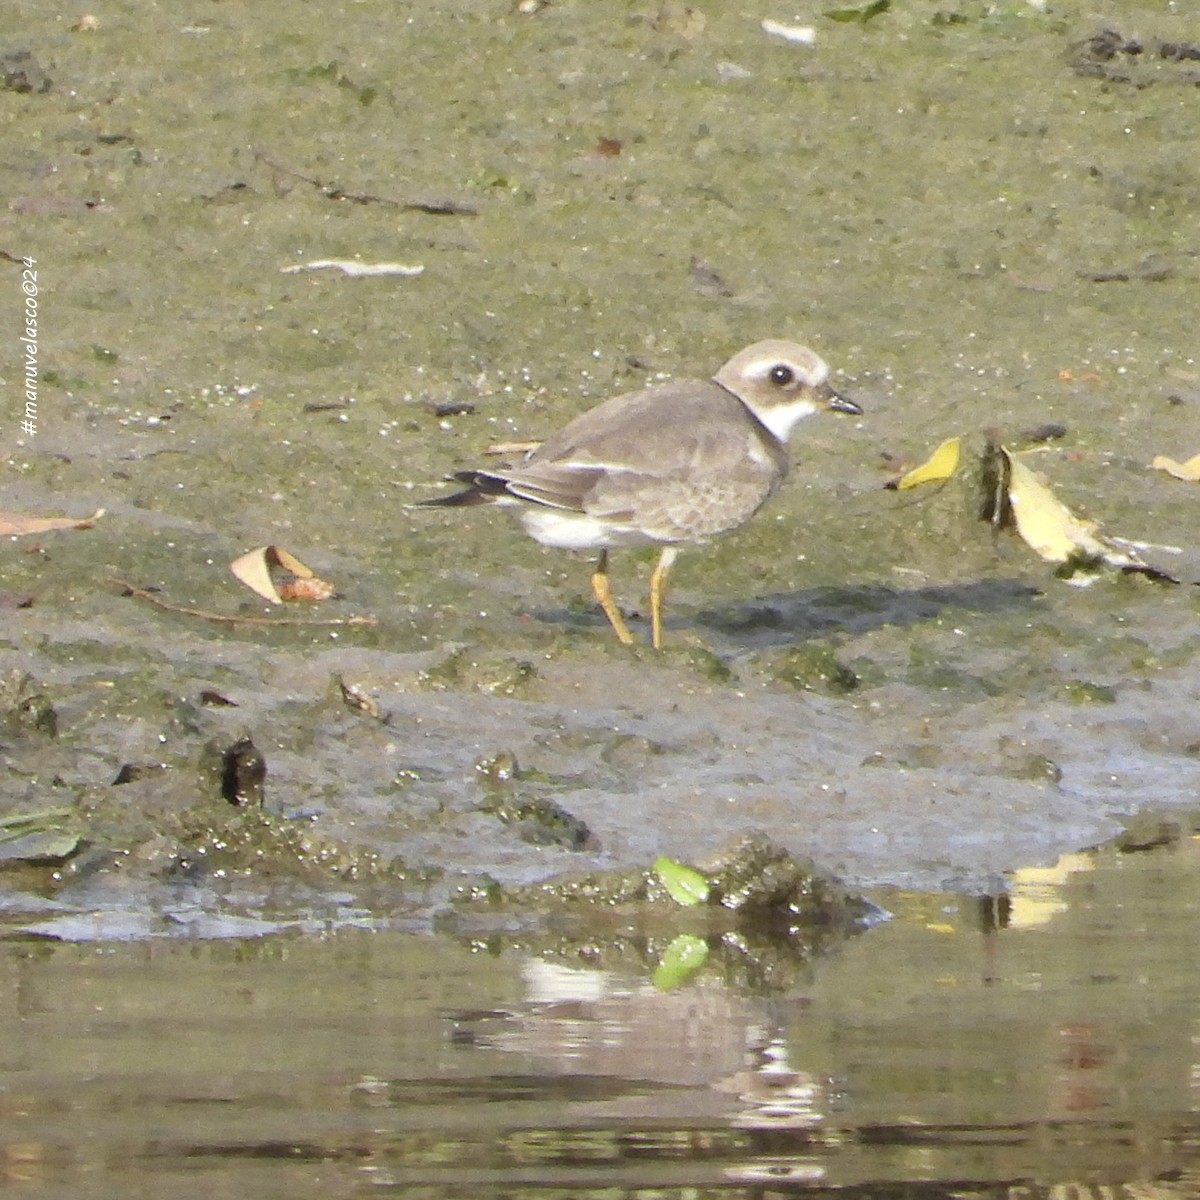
(449, 208)
(229, 619)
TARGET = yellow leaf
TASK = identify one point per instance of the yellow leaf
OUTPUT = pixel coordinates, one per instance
(939, 466)
(1189, 471)
(1044, 522)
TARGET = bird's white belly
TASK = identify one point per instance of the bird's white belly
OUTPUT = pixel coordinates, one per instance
(577, 531)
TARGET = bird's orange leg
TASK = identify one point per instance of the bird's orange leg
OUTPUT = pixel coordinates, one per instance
(658, 582)
(603, 594)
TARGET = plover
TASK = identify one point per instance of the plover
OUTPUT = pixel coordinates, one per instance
(676, 463)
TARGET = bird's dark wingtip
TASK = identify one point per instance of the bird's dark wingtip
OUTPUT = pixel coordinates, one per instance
(481, 489)
(455, 500)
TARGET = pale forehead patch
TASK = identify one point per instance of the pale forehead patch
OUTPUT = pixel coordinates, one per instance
(755, 363)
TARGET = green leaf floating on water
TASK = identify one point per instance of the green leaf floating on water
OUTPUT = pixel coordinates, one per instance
(684, 885)
(681, 959)
(861, 15)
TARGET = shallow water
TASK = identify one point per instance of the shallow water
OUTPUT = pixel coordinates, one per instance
(1040, 1046)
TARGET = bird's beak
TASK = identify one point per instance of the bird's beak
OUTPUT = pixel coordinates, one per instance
(839, 403)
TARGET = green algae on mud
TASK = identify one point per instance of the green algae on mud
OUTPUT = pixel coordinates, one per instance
(950, 212)
(761, 921)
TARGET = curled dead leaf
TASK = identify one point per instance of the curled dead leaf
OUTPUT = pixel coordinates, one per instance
(254, 569)
(1057, 535)
(1044, 522)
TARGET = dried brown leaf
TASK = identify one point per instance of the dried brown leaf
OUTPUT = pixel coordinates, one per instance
(253, 570)
(279, 557)
(18, 524)
(313, 590)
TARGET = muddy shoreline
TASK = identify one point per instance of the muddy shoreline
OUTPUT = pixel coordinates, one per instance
(977, 234)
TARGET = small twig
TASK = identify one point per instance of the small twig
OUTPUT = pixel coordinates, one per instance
(334, 191)
(229, 619)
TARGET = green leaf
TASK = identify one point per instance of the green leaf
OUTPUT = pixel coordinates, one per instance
(684, 885)
(861, 15)
(681, 959)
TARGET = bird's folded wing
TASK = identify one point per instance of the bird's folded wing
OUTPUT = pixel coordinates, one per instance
(555, 485)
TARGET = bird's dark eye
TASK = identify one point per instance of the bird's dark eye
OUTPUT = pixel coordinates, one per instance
(781, 376)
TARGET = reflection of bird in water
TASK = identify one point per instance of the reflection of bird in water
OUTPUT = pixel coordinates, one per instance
(774, 1094)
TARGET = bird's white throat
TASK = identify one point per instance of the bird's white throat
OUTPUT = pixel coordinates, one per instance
(781, 419)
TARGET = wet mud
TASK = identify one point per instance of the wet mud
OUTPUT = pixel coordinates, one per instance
(976, 232)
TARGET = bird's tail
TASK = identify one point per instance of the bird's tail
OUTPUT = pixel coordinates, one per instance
(481, 489)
